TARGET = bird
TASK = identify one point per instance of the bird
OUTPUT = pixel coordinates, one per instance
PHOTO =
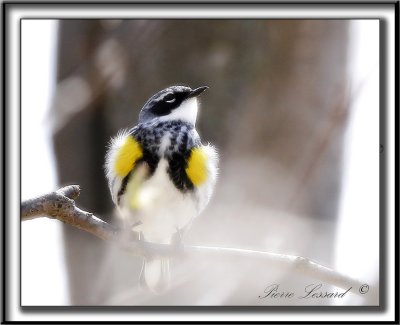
(161, 175)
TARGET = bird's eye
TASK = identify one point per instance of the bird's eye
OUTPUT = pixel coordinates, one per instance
(170, 98)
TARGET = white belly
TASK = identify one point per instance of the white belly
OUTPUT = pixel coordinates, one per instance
(163, 208)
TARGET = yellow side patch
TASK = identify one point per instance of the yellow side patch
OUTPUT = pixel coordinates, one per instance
(127, 156)
(197, 166)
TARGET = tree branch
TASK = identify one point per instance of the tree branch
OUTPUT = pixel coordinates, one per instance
(61, 205)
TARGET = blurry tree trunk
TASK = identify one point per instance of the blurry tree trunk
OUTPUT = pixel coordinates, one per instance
(80, 139)
(277, 95)
(298, 112)
(296, 117)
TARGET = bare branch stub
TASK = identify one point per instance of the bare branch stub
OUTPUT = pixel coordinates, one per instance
(71, 191)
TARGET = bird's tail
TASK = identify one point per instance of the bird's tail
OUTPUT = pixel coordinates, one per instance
(155, 274)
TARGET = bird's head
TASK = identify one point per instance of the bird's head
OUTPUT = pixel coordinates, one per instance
(172, 103)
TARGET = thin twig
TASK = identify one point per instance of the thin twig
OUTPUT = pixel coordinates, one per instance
(61, 205)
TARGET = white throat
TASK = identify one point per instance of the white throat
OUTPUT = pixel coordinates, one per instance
(187, 112)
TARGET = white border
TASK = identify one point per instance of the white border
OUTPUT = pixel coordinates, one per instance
(14, 313)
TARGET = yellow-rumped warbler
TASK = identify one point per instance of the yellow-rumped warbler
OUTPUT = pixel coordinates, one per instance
(160, 174)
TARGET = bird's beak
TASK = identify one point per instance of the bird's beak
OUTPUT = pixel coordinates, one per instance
(196, 92)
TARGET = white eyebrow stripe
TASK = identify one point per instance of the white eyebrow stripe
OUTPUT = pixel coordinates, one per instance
(162, 96)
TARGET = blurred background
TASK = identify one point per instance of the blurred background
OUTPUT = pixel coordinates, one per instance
(293, 108)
